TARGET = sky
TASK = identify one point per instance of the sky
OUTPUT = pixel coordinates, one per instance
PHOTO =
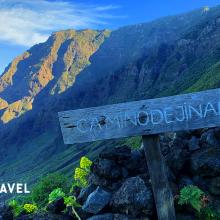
(24, 23)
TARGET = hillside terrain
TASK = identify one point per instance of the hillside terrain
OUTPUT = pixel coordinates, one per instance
(78, 69)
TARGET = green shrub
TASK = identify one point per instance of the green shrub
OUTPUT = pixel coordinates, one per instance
(55, 194)
(81, 173)
(191, 195)
(30, 208)
(46, 185)
(17, 209)
(195, 197)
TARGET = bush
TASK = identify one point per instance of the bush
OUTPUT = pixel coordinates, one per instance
(46, 185)
(55, 194)
(195, 197)
(191, 195)
(30, 208)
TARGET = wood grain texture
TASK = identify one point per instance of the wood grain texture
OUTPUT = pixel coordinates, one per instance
(158, 175)
(153, 116)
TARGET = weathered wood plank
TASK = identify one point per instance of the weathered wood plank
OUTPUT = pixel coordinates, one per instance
(158, 174)
(153, 116)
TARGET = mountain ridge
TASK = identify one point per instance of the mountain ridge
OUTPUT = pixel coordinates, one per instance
(165, 57)
(20, 87)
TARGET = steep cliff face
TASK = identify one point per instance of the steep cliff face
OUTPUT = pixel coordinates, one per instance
(6, 79)
(58, 60)
(3, 104)
(78, 69)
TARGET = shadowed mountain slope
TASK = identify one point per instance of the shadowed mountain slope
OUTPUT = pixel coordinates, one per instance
(78, 69)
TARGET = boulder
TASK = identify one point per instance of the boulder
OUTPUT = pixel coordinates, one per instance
(76, 191)
(85, 192)
(217, 133)
(183, 135)
(137, 163)
(200, 182)
(133, 197)
(177, 157)
(126, 217)
(213, 185)
(107, 216)
(118, 154)
(45, 216)
(184, 181)
(102, 182)
(80, 212)
(209, 139)
(97, 200)
(57, 206)
(111, 216)
(206, 162)
(107, 168)
(193, 144)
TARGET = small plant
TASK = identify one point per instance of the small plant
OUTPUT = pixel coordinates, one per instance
(55, 194)
(191, 195)
(16, 208)
(80, 176)
(195, 197)
(81, 173)
(71, 201)
(85, 163)
(30, 208)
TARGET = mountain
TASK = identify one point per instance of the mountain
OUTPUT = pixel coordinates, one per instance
(58, 61)
(78, 69)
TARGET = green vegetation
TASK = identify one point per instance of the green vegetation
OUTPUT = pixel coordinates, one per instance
(191, 195)
(199, 201)
(81, 173)
(50, 188)
(134, 142)
(46, 185)
(16, 208)
(55, 194)
(30, 208)
(71, 201)
(210, 77)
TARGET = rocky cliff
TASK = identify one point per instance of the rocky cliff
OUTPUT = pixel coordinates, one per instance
(57, 61)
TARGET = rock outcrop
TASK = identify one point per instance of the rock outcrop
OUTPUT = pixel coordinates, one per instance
(192, 158)
(120, 187)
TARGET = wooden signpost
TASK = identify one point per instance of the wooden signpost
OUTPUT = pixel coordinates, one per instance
(147, 118)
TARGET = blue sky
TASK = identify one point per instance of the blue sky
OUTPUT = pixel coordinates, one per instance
(24, 23)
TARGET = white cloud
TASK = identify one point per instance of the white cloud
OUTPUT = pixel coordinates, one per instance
(27, 22)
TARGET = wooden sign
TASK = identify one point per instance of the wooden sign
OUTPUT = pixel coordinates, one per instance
(153, 116)
(146, 118)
